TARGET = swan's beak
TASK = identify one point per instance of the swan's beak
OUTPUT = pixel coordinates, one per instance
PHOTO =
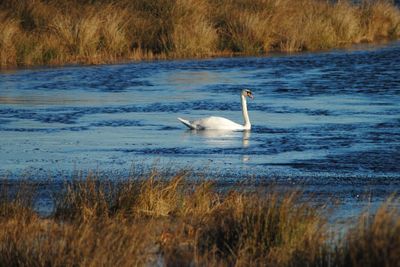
(251, 96)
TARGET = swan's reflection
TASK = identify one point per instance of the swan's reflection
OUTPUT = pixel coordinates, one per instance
(222, 138)
(246, 139)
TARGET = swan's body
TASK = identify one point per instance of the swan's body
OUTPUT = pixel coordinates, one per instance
(220, 123)
(212, 123)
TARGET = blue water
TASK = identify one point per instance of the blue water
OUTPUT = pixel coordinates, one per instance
(327, 120)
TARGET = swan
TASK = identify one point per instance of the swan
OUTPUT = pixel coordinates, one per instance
(220, 123)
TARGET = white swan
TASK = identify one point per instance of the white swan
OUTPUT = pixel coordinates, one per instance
(219, 123)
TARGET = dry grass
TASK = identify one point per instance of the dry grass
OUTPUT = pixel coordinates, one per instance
(37, 32)
(176, 222)
(9, 30)
(193, 34)
(375, 240)
(379, 20)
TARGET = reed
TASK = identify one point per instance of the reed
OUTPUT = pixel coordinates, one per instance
(374, 241)
(379, 20)
(9, 30)
(193, 35)
(154, 219)
(38, 32)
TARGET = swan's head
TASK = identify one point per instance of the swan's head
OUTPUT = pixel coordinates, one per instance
(248, 93)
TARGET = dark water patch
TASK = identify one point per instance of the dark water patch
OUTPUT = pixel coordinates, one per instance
(179, 151)
(28, 130)
(46, 130)
(263, 130)
(345, 73)
(111, 123)
(169, 128)
(283, 144)
(224, 88)
(101, 79)
(73, 128)
(4, 121)
(117, 123)
(15, 112)
(328, 137)
(66, 118)
(373, 160)
(395, 124)
(43, 115)
(155, 151)
(384, 137)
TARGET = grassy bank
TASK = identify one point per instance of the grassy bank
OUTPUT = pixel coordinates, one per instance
(177, 222)
(40, 32)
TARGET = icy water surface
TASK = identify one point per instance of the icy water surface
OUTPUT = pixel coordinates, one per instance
(328, 118)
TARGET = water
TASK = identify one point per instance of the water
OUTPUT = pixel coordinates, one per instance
(326, 120)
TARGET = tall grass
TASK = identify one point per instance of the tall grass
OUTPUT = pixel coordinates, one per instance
(34, 32)
(375, 240)
(176, 222)
(9, 30)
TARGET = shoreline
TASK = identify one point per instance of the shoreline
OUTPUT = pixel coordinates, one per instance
(124, 61)
(353, 194)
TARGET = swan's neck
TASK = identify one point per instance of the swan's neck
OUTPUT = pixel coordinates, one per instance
(247, 124)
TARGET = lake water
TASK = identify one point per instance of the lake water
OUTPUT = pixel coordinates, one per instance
(327, 120)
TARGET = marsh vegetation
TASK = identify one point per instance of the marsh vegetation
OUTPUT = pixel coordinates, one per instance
(179, 222)
(37, 32)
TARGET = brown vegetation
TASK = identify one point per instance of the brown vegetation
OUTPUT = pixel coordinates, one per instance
(176, 222)
(38, 32)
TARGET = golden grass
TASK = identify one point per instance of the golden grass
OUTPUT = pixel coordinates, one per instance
(375, 240)
(379, 20)
(9, 30)
(37, 32)
(176, 222)
(193, 34)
